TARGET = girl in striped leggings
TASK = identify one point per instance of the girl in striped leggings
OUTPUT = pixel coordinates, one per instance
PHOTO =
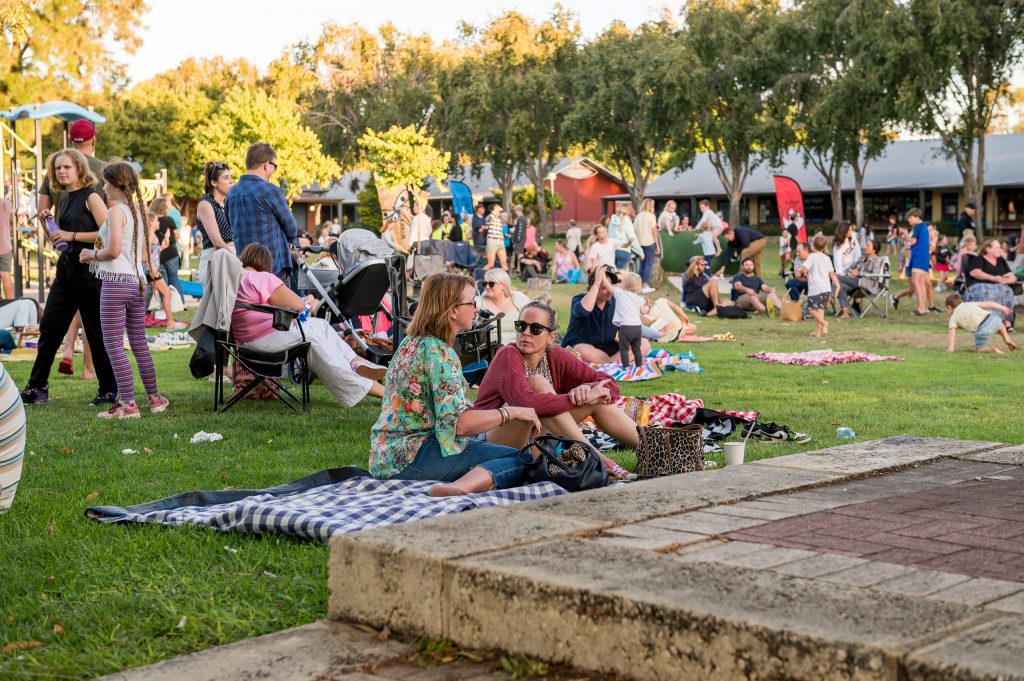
(118, 261)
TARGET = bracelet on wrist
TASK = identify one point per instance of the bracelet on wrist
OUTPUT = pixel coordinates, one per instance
(504, 415)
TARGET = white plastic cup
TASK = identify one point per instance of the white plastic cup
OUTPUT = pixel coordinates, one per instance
(734, 453)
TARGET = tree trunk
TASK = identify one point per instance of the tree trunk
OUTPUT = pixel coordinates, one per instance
(978, 190)
(837, 198)
(542, 209)
(639, 186)
(735, 194)
(858, 191)
(506, 182)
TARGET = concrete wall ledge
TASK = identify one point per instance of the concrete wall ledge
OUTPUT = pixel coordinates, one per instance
(528, 579)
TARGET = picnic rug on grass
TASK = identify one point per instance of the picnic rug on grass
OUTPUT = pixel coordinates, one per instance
(656, 363)
(334, 501)
(818, 358)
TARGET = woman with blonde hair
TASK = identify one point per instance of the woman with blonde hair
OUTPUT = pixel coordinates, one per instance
(622, 233)
(500, 296)
(427, 424)
(646, 226)
(74, 288)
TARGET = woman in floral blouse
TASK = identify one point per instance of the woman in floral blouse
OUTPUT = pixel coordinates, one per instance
(427, 428)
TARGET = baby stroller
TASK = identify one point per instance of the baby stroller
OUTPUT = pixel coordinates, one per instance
(367, 270)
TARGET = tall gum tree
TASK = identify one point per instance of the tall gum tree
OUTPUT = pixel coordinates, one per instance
(737, 65)
(633, 101)
(959, 58)
(842, 85)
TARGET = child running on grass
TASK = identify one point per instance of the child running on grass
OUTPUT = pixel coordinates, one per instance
(822, 283)
(982, 319)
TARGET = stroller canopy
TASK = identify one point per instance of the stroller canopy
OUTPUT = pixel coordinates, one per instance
(357, 246)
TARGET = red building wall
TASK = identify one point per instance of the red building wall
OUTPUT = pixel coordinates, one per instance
(583, 199)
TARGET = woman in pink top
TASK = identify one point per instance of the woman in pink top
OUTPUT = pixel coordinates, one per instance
(348, 377)
(531, 234)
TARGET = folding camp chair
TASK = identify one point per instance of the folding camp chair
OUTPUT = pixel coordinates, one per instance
(883, 278)
(267, 368)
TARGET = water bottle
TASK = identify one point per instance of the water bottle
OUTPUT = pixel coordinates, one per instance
(51, 227)
(304, 315)
(844, 433)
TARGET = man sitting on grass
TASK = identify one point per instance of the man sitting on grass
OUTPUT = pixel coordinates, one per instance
(980, 319)
(750, 293)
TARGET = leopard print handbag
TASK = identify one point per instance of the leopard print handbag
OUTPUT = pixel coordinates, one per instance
(669, 451)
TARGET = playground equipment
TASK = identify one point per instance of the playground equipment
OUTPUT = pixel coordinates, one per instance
(67, 112)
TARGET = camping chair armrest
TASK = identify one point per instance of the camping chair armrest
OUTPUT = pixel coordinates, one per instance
(283, 316)
(269, 309)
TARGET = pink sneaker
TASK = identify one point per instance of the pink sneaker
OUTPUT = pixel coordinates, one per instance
(121, 411)
(158, 403)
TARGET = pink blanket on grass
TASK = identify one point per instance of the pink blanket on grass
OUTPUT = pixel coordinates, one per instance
(817, 358)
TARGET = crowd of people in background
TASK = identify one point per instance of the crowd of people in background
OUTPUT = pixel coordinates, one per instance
(116, 252)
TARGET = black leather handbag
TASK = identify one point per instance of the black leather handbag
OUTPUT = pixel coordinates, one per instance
(571, 464)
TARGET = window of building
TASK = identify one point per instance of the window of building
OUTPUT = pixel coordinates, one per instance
(950, 206)
(878, 207)
(1010, 210)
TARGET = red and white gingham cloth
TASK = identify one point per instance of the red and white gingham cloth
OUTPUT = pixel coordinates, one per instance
(672, 408)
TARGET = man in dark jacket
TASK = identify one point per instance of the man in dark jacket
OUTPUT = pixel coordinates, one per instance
(479, 226)
(747, 242)
(966, 220)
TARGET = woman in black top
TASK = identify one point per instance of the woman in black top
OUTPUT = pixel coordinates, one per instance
(211, 212)
(74, 287)
(987, 276)
(167, 233)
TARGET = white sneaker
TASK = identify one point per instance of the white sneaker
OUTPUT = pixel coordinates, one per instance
(647, 289)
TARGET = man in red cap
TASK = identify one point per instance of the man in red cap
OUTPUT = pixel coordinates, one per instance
(82, 134)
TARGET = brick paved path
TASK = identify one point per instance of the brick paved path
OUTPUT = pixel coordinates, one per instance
(973, 528)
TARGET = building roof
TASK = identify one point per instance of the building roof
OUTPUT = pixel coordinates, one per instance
(906, 165)
(480, 180)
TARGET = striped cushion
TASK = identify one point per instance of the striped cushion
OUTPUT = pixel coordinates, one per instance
(12, 439)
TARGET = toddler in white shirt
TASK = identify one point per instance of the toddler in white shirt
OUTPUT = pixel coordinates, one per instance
(629, 305)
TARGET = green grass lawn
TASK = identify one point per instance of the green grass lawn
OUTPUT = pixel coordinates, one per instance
(102, 598)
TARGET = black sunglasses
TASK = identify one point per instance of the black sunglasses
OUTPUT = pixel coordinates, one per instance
(273, 163)
(490, 284)
(535, 328)
(220, 166)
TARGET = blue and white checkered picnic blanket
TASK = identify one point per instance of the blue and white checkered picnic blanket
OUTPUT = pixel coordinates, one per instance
(315, 507)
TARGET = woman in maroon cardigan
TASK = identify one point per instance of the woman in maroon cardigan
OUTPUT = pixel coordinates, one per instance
(535, 372)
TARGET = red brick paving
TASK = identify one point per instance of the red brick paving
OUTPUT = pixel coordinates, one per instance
(974, 528)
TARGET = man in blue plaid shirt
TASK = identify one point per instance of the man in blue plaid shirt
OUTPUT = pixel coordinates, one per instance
(259, 212)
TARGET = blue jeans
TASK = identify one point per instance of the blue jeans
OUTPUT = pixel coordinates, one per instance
(795, 288)
(500, 461)
(169, 270)
(648, 264)
(988, 327)
(622, 258)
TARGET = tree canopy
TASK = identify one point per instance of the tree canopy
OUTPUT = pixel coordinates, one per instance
(63, 49)
(633, 101)
(254, 116)
(742, 80)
